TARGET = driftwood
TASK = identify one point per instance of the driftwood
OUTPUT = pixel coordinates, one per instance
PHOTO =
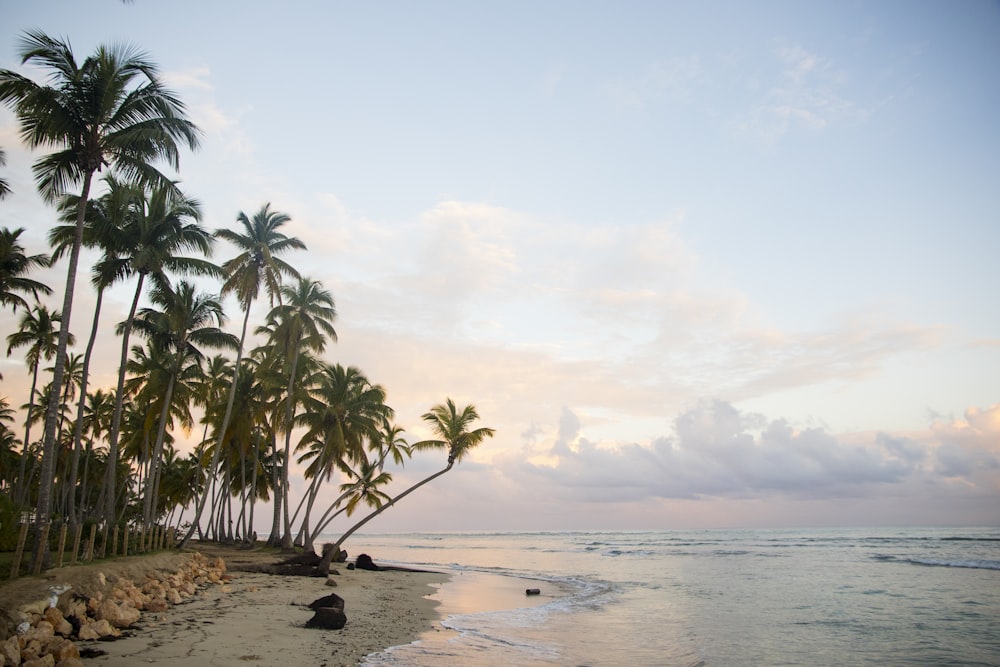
(306, 564)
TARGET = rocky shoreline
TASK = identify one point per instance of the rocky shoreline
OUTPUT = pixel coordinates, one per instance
(46, 631)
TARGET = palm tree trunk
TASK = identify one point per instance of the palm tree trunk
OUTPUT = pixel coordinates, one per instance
(22, 483)
(275, 538)
(355, 527)
(152, 478)
(78, 426)
(48, 444)
(116, 420)
(222, 430)
(286, 538)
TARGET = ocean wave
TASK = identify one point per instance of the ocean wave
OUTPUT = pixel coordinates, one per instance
(971, 563)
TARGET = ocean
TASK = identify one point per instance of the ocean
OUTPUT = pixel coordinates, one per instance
(712, 598)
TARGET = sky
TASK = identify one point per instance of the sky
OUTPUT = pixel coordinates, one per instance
(700, 264)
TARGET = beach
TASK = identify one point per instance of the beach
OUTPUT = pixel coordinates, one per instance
(259, 618)
(249, 617)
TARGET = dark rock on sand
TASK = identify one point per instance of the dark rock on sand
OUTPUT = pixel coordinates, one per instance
(327, 618)
(364, 562)
(332, 600)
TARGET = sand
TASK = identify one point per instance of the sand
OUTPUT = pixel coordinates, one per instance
(259, 618)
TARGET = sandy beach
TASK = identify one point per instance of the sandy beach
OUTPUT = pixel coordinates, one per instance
(260, 618)
(250, 617)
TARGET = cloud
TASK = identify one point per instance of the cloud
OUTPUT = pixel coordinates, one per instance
(807, 92)
(717, 451)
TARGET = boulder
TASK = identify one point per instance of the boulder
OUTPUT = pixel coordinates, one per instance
(118, 615)
(332, 601)
(44, 661)
(10, 651)
(327, 618)
(98, 630)
(330, 581)
(365, 562)
(61, 649)
(59, 623)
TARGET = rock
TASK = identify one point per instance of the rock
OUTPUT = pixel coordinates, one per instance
(61, 626)
(98, 630)
(157, 605)
(62, 649)
(70, 662)
(44, 661)
(118, 615)
(532, 591)
(332, 601)
(330, 581)
(10, 651)
(350, 566)
(327, 618)
(364, 562)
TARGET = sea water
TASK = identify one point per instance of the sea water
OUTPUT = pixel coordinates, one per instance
(927, 596)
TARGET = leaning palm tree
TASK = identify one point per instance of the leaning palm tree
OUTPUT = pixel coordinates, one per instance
(185, 322)
(111, 110)
(37, 332)
(452, 428)
(256, 264)
(304, 322)
(14, 268)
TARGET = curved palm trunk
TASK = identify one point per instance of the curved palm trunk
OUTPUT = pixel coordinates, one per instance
(116, 420)
(222, 431)
(78, 426)
(355, 527)
(51, 417)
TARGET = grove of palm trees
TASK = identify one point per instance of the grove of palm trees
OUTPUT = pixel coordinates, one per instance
(260, 407)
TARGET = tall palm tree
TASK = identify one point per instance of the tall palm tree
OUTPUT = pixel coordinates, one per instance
(106, 217)
(14, 268)
(452, 428)
(257, 263)
(185, 322)
(37, 332)
(111, 110)
(304, 322)
(163, 225)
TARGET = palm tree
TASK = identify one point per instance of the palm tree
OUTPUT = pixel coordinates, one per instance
(14, 267)
(163, 225)
(8, 446)
(105, 220)
(345, 412)
(256, 263)
(96, 420)
(304, 322)
(387, 443)
(452, 429)
(187, 322)
(37, 332)
(4, 188)
(111, 110)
